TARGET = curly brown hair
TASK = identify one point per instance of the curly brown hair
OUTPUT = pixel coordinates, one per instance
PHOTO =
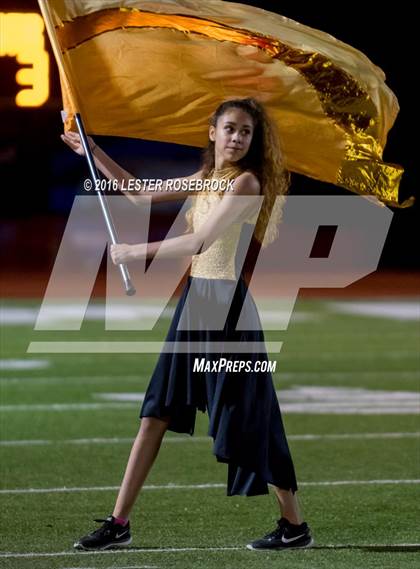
(264, 159)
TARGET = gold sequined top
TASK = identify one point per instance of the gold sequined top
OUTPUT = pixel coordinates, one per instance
(218, 261)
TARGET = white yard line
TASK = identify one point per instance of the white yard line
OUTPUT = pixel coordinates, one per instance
(172, 486)
(279, 375)
(297, 399)
(68, 407)
(342, 436)
(72, 379)
(200, 439)
(65, 490)
(370, 353)
(126, 551)
(18, 365)
(403, 311)
(351, 375)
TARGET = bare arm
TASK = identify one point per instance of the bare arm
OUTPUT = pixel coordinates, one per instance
(235, 206)
(113, 171)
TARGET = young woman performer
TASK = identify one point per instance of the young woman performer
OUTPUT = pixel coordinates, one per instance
(245, 419)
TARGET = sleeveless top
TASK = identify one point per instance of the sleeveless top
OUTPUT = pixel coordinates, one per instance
(218, 261)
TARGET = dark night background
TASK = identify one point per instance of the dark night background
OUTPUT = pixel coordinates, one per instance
(40, 175)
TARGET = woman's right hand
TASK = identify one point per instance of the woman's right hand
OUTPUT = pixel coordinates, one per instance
(72, 139)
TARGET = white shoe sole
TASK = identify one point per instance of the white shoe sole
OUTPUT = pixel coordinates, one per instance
(307, 546)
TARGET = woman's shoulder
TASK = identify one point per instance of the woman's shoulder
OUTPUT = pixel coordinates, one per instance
(247, 183)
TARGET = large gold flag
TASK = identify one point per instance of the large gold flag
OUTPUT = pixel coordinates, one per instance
(157, 70)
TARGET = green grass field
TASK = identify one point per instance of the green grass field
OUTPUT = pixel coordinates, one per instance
(359, 470)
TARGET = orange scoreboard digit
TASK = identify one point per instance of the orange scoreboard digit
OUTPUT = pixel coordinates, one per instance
(22, 37)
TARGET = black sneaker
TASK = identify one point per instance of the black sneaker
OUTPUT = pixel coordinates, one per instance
(107, 536)
(285, 536)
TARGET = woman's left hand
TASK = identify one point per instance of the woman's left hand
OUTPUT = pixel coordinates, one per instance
(123, 253)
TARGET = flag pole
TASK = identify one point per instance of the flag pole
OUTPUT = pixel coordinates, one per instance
(66, 78)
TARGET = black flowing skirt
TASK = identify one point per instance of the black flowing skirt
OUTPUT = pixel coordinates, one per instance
(244, 415)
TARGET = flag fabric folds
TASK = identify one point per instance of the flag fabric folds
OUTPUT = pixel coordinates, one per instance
(156, 70)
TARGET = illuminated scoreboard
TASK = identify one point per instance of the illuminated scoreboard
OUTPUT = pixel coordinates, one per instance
(22, 37)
